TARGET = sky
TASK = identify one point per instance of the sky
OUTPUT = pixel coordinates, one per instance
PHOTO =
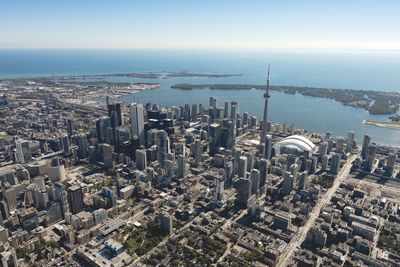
(220, 24)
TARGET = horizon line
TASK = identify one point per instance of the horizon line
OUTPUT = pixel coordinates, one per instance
(288, 49)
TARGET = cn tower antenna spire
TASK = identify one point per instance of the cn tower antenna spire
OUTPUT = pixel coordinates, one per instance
(265, 118)
(269, 66)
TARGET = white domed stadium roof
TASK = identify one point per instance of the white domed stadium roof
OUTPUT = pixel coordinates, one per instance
(297, 141)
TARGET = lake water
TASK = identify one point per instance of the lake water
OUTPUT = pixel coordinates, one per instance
(374, 71)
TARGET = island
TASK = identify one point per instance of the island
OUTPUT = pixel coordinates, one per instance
(168, 74)
(383, 124)
(375, 102)
(381, 107)
(145, 75)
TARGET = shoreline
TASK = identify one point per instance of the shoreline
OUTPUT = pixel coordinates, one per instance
(375, 102)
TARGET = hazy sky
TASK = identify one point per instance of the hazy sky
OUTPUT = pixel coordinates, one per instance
(343, 24)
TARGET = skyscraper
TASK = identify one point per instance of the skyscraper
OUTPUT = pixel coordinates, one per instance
(237, 154)
(324, 163)
(234, 111)
(391, 161)
(10, 195)
(245, 118)
(230, 139)
(213, 102)
(110, 196)
(287, 184)
(302, 181)
(228, 174)
(268, 147)
(350, 141)
(219, 189)
(70, 126)
(161, 140)
(323, 149)
(24, 153)
(56, 171)
(101, 128)
(64, 139)
(242, 169)
(186, 112)
(75, 199)
(335, 164)
(181, 166)
(166, 222)
(81, 140)
(340, 145)
(314, 164)
(366, 141)
(214, 138)
(263, 166)
(255, 182)
(169, 168)
(107, 153)
(141, 159)
(250, 160)
(123, 134)
(61, 196)
(118, 113)
(137, 121)
(290, 160)
(213, 108)
(194, 112)
(197, 151)
(293, 171)
(226, 109)
(180, 148)
(371, 155)
(243, 192)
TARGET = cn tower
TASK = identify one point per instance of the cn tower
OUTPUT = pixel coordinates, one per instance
(265, 118)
